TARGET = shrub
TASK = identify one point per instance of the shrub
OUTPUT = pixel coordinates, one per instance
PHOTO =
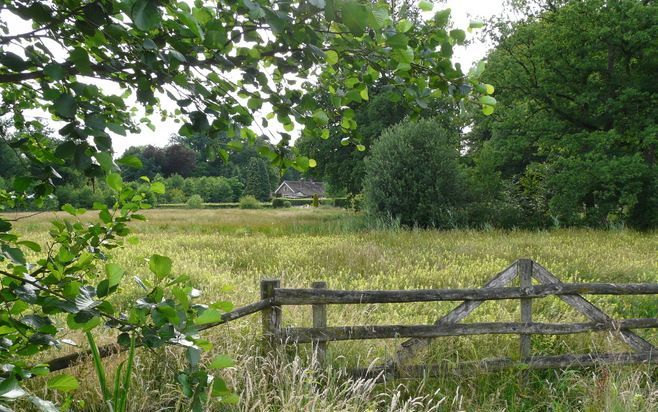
(316, 200)
(195, 202)
(413, 174)
(249, 202)
(278, 202)
(286, 203)
(175, 195)
(355, 202)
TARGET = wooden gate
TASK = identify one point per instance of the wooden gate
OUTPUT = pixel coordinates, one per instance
(420, 336)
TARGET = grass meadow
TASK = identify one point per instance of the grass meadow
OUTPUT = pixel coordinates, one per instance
(229, 251)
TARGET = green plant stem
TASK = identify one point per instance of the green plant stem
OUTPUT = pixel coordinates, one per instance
(98, 365)
(121, 402)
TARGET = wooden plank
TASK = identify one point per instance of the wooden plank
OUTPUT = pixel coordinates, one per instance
(239, 313)
(73, 359)
(409, 348)
(341, 333)
(591, 311)
(524, 269)
(272, 313)
(320, 321)
(492, 365)
(334, 296)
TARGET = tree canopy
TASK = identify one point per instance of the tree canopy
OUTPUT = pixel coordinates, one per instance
(576, 132)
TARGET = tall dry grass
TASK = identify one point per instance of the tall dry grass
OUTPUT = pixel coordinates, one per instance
(229, 251)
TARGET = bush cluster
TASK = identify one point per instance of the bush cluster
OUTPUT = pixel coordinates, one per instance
(195, 202)
(249, 202)
(413, 174)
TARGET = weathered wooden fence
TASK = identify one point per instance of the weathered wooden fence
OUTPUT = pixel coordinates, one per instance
(274, 297)
(525, 270)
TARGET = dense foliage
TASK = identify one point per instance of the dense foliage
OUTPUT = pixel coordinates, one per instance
(413, 175)
(214, 67)
(340, 166)
(258, 182)
(576, 137)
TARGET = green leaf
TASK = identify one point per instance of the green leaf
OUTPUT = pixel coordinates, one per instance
(43, 405)
(208, 316)
(10, 389)
(379, 16)
(55, 71)
(13, 61)
(105, 216)
(114, 274)
(221, 362)
(30, 245)
(65, 106)
(425, 5)
(355, 16)
(80, 59)
(364, 93)
(114, 181)
(131, 161)
(160, 266)
(219, 388)
(360, 148)
(4, 226)
(230, 399)
(21, 183)
(489, 89)
(475, 25)
(105, 161)
(63, 383)
(331, 56)
(254, 103)
(458, 35)
(403, 26)
(312, 163)
(487, 110)
(158, 188)
(321, 117)
(489, 100)
(13, 253)
(145, 14)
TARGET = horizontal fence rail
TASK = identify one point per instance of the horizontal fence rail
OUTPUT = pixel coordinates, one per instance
(525, 271)
(497, 364)
(286, 296)
(338, 333)
(274, 297)
(73, 359)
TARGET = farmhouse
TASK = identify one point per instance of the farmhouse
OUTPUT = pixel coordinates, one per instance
(296, 189)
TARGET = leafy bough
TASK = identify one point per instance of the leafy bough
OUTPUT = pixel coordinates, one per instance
(36, 294)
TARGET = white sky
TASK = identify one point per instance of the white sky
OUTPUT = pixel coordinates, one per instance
(463, 11)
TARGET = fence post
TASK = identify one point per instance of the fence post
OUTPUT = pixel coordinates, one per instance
(320, 321)
(524, 269)
(271, 314)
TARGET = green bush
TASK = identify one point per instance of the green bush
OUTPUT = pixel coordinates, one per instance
(278, 202)
(175, 195)
(249, 202)
(195, 202)
(286, 203)
(355, 202)
(413, 174)
(316, 201)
